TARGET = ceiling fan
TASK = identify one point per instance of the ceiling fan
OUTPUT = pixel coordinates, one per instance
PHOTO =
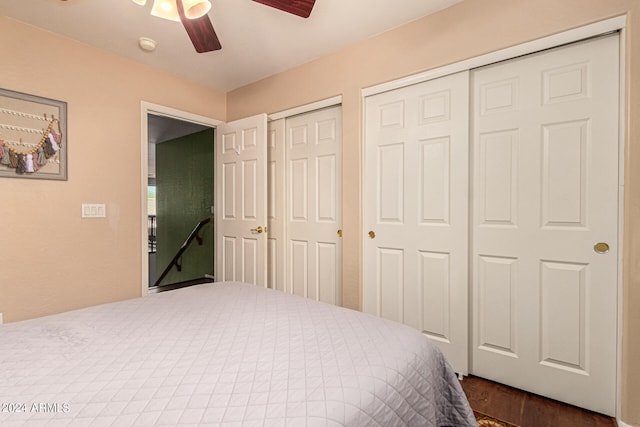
(194, 18)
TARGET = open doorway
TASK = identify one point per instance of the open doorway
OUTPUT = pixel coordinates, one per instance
(180, 201)
(177, 198)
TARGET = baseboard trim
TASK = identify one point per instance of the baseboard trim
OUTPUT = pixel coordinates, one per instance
(623, 424)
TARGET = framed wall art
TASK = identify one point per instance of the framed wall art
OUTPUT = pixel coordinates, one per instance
(33, 136)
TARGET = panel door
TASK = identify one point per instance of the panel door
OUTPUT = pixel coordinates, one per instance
(416, 210)
(545, 143)
(241, 160)
(276, 206)
(314, 213)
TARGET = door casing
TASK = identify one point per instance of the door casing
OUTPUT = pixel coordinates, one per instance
(147, 108)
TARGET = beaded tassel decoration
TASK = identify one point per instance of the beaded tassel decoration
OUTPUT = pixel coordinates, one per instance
(20, 167)
(28, 164)
(32, 160)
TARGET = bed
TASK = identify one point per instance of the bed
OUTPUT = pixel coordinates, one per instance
(223, 354)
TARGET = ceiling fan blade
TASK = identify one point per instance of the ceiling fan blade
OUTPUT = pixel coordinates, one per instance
(200, 31)
(297, 7)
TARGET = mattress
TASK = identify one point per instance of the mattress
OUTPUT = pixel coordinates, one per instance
(223, 354)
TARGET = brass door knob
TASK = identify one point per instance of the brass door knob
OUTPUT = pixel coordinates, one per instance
(601, 247)
(259, 229)
(372, 234)
(340, 233)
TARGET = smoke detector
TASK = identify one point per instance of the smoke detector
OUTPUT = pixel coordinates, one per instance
(147, 44)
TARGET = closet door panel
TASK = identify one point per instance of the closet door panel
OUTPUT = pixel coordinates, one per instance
(416, 210)
(276, 216)
(314, 193)
(545, 144)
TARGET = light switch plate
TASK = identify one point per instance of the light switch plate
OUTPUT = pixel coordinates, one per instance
(94, 210)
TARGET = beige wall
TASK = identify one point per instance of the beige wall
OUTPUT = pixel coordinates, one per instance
(466, 30)
(51, 260)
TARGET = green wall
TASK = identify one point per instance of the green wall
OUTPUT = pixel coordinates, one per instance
(184, 196)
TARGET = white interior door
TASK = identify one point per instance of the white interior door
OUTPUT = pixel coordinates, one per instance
(241, 160)
(416, 210)
(314, 211)
(545, 143)
(276, 206)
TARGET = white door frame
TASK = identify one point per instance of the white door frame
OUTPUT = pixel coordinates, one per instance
(307, 108)
(617, 23)
(147, 108)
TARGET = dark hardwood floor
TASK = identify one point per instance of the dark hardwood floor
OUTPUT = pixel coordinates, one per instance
(527, 409)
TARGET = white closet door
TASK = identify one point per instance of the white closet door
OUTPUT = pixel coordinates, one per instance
(276, 195)
(241, 160)
(314, 192)
(416, 210)
(545, 143)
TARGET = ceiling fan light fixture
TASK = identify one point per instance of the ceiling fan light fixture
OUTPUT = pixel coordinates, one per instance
(165, 9)
(194, 9)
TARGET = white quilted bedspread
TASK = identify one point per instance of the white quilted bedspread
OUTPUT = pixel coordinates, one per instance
(223, 354)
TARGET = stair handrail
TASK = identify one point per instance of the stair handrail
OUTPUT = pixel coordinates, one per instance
(193, 235)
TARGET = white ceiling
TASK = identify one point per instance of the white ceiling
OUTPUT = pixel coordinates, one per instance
(257, 41)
